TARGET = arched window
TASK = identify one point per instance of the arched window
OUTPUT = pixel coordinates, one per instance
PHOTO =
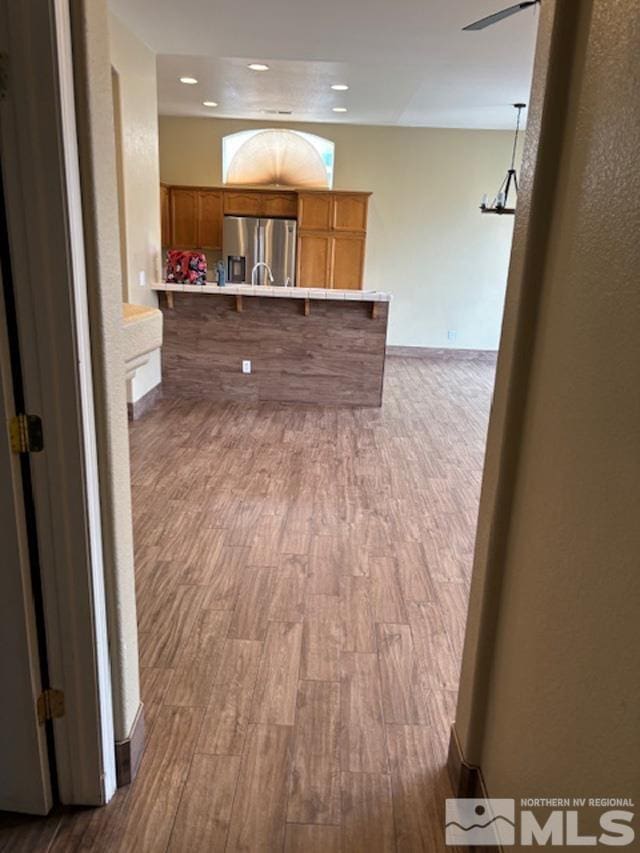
(277, 156)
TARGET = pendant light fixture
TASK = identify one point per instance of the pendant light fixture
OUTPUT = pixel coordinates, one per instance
(500, 203)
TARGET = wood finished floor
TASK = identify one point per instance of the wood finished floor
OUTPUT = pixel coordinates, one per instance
(302, 579)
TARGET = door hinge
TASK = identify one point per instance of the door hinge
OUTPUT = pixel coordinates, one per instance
(26, 434)
(50, 705)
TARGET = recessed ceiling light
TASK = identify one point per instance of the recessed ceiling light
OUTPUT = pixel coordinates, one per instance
(339, 109)
(340, 87)
(190, 81)
(209, 103)
(258, 66)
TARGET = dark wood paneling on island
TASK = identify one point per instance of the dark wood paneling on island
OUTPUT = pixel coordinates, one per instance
(332, 356)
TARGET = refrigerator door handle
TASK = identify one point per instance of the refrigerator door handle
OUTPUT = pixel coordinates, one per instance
(255, 276)
(261, 251)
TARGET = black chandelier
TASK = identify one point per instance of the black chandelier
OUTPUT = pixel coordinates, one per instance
(500, 203)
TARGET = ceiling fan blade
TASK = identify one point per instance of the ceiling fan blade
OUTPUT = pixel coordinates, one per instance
(500, 16)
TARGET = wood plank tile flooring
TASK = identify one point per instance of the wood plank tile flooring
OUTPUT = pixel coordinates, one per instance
(302, 578)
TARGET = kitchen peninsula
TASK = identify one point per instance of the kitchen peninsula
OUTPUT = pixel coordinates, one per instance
(305, 345)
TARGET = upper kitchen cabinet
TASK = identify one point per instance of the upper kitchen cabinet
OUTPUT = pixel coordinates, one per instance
(315, 211)
(195, 220)
(183, 204)
(279, 204)
(209, 220)
(259, 203)
(241, 203)
(333, 211)
(350, 212)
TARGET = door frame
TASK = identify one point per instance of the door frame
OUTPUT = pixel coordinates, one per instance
(44, 208)
(25, 744)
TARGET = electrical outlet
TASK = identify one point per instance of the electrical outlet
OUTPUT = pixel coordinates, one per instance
(142, 278)
(452, 334)
(246, 365)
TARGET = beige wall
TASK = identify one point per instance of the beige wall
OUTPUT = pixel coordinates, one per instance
(428, 243)
(135, 65)
(550, 692)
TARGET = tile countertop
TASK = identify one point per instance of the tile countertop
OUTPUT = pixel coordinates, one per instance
(286, 292)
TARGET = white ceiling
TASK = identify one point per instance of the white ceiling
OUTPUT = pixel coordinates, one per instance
(407, 62)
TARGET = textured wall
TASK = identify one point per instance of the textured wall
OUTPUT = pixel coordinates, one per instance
(135, 64)
(550, 694)
(427, 243)
(100, 204)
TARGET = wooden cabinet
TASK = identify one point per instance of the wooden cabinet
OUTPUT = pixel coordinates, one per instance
(195, 218)
(350, 212)
(209, 217)
(282, 204)
(348, 262)
(331, 244)
(239, 203)
(184, 217)
(315, 211)
(314, 260)
(319, 211)
(329, 260)
(332, 226)
(259, 203)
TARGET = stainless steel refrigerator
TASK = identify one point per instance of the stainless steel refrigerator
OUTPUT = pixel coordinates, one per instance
(249, 242)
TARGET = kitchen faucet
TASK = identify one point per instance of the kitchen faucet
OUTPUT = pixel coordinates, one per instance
(262, 264)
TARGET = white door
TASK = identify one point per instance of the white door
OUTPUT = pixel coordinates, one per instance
(24, 766)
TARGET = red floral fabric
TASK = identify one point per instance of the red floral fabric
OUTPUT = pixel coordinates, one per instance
(186, 267)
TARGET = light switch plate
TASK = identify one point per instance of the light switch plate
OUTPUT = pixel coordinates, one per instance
(246, 365)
